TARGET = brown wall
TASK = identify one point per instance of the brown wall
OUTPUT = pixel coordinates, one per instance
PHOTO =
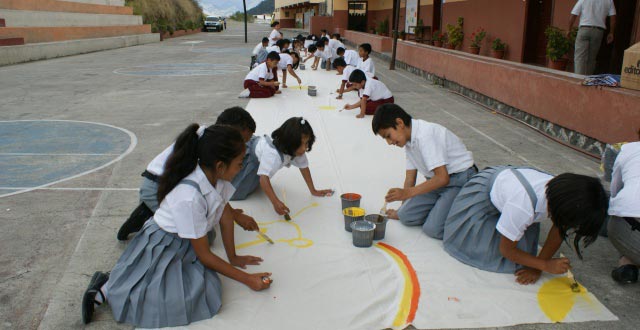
(376, 16)
(562, 13)
(317, 23)
(378, 43)
(287, 23)
(504, 19)
(340, 19)
(558, 98)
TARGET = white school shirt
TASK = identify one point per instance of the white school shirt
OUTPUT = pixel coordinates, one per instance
(348, 70)
(334, 45)
(367, 66)
(257, 49)
(594, 12)
(625, 182)
(285, 59)
(273, 48)
(272, 37)
(190, 213)
(308, 43)
(432, 146)
(510, 197)
(375, 90)
(322, 54)
(351, 57)
(157, 164)
(260, 72)
(270, 161)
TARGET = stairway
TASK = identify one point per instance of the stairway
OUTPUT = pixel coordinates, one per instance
(33, 30)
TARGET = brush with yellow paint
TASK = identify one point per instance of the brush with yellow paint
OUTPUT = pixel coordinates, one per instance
(383, 212)
(265, 237)
(575, 287)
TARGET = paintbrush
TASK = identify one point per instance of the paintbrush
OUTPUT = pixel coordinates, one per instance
(287, 217)
(383, 211)
(265, 237)
(575, 287)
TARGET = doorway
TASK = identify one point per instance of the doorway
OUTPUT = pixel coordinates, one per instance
(436, 24)
(539, 14)
(610, 56)
(357, 16)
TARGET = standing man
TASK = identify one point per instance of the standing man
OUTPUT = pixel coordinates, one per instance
(224, 20)
(593, 16)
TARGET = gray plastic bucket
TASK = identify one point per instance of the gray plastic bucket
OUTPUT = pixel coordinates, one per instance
(301, 66)
(362, 232)
(381, 224)
(312, 91)
(350, 200)
(352, 214)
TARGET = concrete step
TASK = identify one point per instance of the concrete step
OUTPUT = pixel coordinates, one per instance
(28, 18)
(52, 34)
(34, 52)
(101, 2)
(64, 6)
(11, 41)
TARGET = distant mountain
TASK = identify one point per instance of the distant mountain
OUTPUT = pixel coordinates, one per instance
(226, 7)
(265, 7)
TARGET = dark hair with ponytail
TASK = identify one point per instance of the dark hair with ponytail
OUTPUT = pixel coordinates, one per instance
(288, 137)
(219, 143)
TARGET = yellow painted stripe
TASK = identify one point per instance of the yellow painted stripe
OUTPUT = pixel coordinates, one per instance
(407, 292)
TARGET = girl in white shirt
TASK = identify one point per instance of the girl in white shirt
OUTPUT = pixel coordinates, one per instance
(288, 63)
(286, 146)
(494, 222)
(167, 275)
(366, 63)
(624, 208)
(275, 34)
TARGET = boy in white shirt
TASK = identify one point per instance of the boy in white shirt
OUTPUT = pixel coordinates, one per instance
(345, 71)
(289, 62)
(351, 57)
(373, 93)
(259, 53)
(437, 154)
(275, 34)
(624, 208)
(366, 63)
(261, 81)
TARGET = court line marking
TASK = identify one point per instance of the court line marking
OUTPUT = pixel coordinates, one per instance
(72, 188)
(133, 142)
(46, 154)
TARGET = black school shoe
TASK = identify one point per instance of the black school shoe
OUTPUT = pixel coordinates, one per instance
(135, 222)
(89, 297)
(626, 274)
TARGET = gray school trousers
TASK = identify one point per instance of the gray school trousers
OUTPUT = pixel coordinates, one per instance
(625, 240)
(587, 47)
(430, 210)
(149, 194)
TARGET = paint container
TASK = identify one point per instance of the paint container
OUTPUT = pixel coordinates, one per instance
(350, 200)
(352, 214)
(362, 232)
(301, 66)
(312, 91)
(380, 221)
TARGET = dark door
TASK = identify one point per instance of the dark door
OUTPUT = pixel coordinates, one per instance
(610, 56)
(358, 16)
(437, 16)
(538, 19)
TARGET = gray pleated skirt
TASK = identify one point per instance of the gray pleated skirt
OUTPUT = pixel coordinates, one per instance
(470, 233)
(159, 282)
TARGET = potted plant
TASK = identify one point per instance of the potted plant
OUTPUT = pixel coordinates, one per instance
(558, 45)
(455, 34)
(497, 48)
(403, 35)
(438, 38)
(383, 27)
(476, 40)
(372, 29)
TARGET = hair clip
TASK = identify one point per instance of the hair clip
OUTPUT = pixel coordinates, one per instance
(302, 121)
(201, 130)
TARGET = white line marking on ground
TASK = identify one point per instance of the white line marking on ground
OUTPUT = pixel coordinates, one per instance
(132, 145)
(72, 188)
(41, 154)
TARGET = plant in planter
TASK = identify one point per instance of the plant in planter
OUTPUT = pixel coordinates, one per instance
(438, 38)
(455, 35)
(383, 27)
(476, 40)
(497, 48)
(402, 35)
(372, 30)
(558, 45)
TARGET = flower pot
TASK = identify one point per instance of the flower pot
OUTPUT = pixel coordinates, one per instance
(474, 50)
(499, 54)
(437, 43)
(450, 46)
(559, 64)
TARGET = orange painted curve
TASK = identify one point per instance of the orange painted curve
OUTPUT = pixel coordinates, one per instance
(413, 286)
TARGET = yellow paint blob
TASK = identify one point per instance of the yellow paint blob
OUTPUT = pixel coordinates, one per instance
(353, 212)
(326, 107)
(556, 298)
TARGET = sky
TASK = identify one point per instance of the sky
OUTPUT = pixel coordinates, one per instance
(225, 7)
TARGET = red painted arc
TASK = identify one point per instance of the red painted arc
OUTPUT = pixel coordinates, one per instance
(415, 298)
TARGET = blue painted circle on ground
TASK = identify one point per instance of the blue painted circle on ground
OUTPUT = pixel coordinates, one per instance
(182, 69)
(37, 153)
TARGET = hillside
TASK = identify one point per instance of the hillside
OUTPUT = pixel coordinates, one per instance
(264, 7)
